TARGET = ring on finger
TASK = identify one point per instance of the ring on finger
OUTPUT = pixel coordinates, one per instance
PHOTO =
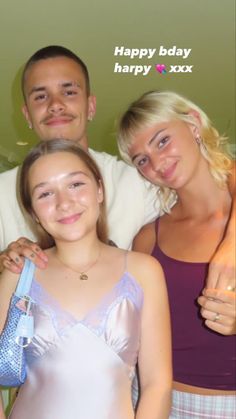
(230, 288)
(216, 318)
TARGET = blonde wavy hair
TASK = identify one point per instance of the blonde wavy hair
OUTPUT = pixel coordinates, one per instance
(156, 107)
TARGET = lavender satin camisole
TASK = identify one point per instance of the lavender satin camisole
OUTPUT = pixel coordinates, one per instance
(82, 369)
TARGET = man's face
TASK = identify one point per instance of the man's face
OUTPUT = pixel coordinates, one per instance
(57, 105)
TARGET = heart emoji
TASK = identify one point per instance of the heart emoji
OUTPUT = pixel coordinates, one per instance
(161, 68)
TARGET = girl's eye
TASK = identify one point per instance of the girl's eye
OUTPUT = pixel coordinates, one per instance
(162, 142)
(76, 185)
(44, 195)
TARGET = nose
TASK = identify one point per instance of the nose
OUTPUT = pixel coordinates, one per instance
(156, 162)
(56, 105)
(63, 201)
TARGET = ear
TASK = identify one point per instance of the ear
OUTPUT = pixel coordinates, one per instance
(100, 193)
(25, 112)
(91, 107)
(196, 125)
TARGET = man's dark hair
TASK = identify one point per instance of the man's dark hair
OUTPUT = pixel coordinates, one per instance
(53, 51)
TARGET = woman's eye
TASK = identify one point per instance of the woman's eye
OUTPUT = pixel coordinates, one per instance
(141, 162)
(162, 142)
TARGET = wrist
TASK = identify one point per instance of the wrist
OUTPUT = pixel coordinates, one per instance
(1, 261)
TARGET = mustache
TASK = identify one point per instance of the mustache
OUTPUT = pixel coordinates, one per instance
(52, 117)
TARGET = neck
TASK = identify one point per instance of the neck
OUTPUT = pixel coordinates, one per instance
(78, 253)
(203, 196)
(83, 143)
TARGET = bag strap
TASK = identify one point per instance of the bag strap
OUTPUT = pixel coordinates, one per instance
(25, 280)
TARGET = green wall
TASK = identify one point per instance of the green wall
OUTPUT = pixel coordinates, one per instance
(93, 29)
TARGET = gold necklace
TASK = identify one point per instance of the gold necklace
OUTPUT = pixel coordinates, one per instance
(82, 274)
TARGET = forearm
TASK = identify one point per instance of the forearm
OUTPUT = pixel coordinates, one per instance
(230, 232)
(2, 415)
(1, 262)
(221, 272)
(155, 403)
(232, 189)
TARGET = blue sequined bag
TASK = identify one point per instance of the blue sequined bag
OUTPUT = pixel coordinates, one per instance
(18, 332)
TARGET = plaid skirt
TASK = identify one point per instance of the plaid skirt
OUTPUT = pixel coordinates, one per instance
(196, 406)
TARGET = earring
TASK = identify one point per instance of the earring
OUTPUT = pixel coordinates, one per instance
(198, 140)
(90, 117)
(30, 126)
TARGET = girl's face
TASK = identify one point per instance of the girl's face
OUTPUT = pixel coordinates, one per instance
(65, 196)
(167, 153)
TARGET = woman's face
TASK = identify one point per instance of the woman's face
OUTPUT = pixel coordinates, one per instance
(167, 153)
(65, 196)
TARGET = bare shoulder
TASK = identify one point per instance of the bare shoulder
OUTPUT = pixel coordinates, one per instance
(145, 240)
(145, 269)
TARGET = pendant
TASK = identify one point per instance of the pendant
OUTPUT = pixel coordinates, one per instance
(83, 276)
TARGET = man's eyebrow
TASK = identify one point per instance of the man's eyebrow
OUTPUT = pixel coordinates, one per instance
(38, 89)
(70, 84)
(150, 141)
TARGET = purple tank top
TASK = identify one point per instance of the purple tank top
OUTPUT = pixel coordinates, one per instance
(201, 357)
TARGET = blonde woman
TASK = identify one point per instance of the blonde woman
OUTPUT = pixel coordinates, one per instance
(173, 144)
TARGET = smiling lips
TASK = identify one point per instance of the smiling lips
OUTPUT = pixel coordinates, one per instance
(69, 220)
(168, 173)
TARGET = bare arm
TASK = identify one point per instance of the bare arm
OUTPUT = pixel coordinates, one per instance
(218, 306)
(13, 257)
(8, 282)
(222, 270)
(145, 240)
(2, 415)
(155, 350)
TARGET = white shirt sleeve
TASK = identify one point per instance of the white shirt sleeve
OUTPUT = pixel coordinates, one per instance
(12, 222)
(131, 201)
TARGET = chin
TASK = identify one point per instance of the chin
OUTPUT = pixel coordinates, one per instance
(59, 133)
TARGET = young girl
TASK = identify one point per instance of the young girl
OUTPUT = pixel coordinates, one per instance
(98, 310)
(172, 143)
